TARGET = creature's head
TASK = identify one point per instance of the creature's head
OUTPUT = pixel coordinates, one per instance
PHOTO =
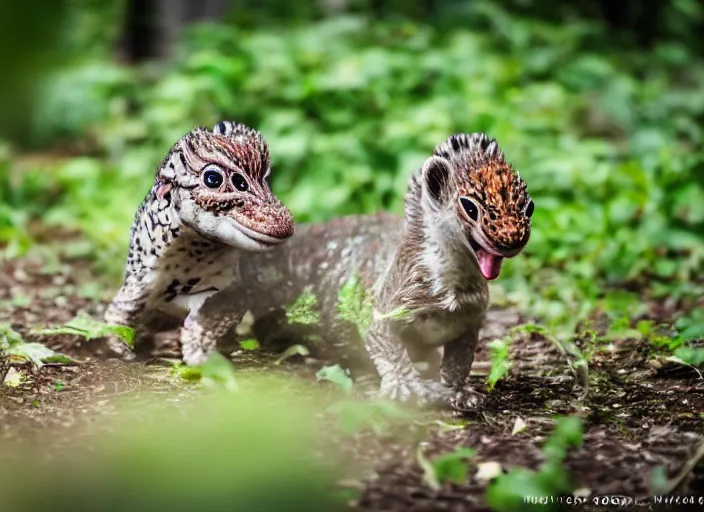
(474, 192)
(218, 181)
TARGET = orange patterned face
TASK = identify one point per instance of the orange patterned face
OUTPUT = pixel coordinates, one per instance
(492, 200)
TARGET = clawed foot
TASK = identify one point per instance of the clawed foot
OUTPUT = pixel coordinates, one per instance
(195, 348)
(431, 393)
(119, 348)
(466, 400)
(194, 356)
(425, 392)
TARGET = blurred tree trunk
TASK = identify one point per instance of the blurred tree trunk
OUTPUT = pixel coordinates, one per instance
(152, 27)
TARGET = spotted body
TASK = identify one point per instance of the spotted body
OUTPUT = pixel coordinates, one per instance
(465, 210)
(210, 203)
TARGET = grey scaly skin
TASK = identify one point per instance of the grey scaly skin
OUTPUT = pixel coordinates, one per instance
(465, 211)
(210, 202)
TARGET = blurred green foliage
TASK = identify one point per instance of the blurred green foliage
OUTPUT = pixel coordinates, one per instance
(221, 451)
(608, 137)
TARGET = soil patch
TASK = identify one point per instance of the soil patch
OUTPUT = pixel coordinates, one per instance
(639, 413)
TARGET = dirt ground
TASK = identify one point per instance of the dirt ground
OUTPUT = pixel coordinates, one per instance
(639, 412)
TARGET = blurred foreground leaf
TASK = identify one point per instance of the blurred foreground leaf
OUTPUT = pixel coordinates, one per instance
(337, 375)
(250, 451)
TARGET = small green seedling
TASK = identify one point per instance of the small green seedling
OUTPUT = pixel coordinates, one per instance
(219, 371)
(337, 375)
(216, 372)
(9, 337)
(451, 467)
(506, 493)
(691, 328)
(249, 344)
(693, 356)
(187, 373)
(500, 362)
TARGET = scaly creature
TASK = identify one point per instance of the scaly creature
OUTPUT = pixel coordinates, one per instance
(465, 211)
(210, 203)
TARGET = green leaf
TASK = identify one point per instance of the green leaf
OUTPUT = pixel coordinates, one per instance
(337, 375)
(59, 359)
(452, 467)
(693, 356)
(249, 344)
(568, 432)
(691, 327)
(84, 326)
(293, 350)
(187, 373)
(9, 337)
(12, 344)
(500, 363)
(216, 372)
(507, 492)
(302, 311)
(37, 354)
(219, 371)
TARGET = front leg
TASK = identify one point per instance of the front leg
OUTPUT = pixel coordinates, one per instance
(458, 356)
(207, 322)
(127, 308)
(399, 379)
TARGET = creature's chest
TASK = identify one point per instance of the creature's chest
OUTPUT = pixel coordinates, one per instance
(439, 326)
(186, 278)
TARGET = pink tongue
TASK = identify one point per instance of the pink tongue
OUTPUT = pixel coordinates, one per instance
(489, 264)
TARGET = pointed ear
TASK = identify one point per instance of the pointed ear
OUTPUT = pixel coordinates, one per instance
(436, 179)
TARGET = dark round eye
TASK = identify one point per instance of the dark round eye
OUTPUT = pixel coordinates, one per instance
(212, 178)
(530, 208)
(239, 182)
(470, 208)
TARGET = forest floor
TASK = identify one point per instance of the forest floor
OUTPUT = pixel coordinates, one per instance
(639, 412)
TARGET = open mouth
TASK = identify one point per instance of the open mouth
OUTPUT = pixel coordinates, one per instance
(489, 262)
